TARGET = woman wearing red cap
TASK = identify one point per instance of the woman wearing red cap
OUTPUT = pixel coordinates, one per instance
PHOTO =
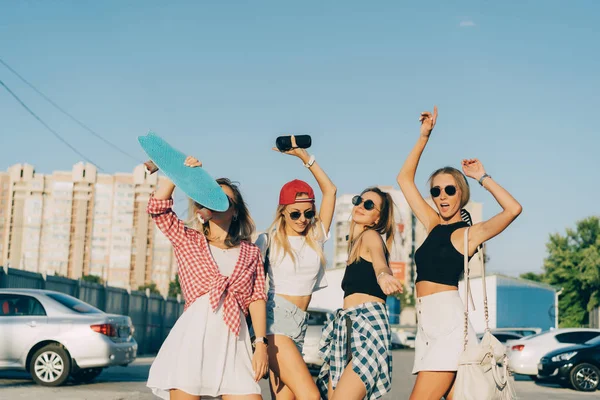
(293, 253)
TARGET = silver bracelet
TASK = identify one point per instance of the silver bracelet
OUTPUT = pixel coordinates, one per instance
(379, 276)
(483, 178)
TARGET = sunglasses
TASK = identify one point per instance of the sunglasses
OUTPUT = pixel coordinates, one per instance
(308, 214)
(231, 202)
(436, 190)
(368, 204)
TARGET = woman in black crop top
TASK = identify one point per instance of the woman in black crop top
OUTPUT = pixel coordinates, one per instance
(357, 351)
(439, 261)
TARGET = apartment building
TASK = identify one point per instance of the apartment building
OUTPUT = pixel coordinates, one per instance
(81, 222)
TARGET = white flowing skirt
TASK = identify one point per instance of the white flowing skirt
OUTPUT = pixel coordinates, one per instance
(440, 332)
(202, 357)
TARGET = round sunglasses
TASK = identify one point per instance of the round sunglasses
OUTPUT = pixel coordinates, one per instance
(308, 214)
(368, 204)
(435, 191)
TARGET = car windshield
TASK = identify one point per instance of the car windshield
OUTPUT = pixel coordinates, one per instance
(73, 303)
(593, 341)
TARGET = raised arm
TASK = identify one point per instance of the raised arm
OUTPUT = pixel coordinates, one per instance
(160, 206)
(511, 208)
(327, 187)
(406, 177)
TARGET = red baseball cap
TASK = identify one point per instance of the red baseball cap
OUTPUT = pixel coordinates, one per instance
(290, 190)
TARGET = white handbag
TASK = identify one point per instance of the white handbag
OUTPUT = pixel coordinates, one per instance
(483, 367)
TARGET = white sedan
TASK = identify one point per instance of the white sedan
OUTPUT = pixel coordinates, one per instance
(525, 354)
(53, 336)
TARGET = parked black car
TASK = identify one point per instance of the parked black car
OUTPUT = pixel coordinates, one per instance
(575, 366)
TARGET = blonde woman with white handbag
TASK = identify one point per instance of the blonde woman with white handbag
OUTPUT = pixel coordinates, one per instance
(440, 312)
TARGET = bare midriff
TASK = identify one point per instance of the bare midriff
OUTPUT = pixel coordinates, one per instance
(301, 302)
(356, 299)
(426, 288)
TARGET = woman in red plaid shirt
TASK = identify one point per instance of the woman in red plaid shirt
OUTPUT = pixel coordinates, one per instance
(208, 351)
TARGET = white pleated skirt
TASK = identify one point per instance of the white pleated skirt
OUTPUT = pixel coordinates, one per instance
(202, 357)
(440, 332)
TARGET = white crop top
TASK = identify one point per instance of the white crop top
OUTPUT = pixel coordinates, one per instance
(300, 278)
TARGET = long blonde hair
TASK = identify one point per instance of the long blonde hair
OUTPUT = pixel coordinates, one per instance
(385, 226)
(278, 237)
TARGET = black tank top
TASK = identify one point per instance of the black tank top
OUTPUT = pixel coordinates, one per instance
(437, 259)
(360, 277)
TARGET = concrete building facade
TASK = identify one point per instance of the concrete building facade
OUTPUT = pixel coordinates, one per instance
(81, 222)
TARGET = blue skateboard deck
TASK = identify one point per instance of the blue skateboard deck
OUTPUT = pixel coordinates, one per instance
(194, 182)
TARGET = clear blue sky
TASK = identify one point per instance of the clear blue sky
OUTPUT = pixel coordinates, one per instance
(516, 84)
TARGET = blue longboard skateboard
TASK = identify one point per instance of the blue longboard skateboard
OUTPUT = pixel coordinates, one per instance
(196, 183)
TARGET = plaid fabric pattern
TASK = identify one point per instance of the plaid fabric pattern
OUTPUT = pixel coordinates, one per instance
(370, 340)
(198, 272)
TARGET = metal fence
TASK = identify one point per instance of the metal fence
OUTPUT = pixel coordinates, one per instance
(152, 315)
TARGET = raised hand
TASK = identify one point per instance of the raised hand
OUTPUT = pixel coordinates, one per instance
(295, 151)
(428, 121)
(389, 284)
(473, 168)
(192, 162)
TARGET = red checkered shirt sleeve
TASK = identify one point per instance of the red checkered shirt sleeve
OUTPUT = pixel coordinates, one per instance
(166, 220)
(259, 287)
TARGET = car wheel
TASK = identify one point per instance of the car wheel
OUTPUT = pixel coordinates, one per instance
(50, 365)
(585, 377)
(86, 375)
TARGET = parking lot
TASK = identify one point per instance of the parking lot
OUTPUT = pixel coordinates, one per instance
(129, 383)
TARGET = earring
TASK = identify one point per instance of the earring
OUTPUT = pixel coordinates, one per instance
(235, 217)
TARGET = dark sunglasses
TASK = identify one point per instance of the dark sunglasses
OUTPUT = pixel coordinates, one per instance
(436, 190)
(368, 204)
(231, 202)
(308, 214)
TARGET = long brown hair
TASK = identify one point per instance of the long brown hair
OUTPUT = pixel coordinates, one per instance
(279, 237)
(459, 178)
(241, 228)
(385, 225)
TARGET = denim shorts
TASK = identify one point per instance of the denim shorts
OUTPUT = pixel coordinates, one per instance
(285, 318)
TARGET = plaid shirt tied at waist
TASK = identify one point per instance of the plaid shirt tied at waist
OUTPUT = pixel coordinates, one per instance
(370, 348)
(199, 273)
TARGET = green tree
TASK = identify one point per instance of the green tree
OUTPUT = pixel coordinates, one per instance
(573, 263)
(532, 276)
(93, 279)
(151, 286)
(174, 287)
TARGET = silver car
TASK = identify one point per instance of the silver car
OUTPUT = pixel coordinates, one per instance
(53, 336)
(317, 318)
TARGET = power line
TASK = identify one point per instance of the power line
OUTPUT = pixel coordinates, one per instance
(59, 108)
(49, 128)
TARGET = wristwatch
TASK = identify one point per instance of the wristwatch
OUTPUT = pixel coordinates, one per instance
(260, 339)
(310, 162)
